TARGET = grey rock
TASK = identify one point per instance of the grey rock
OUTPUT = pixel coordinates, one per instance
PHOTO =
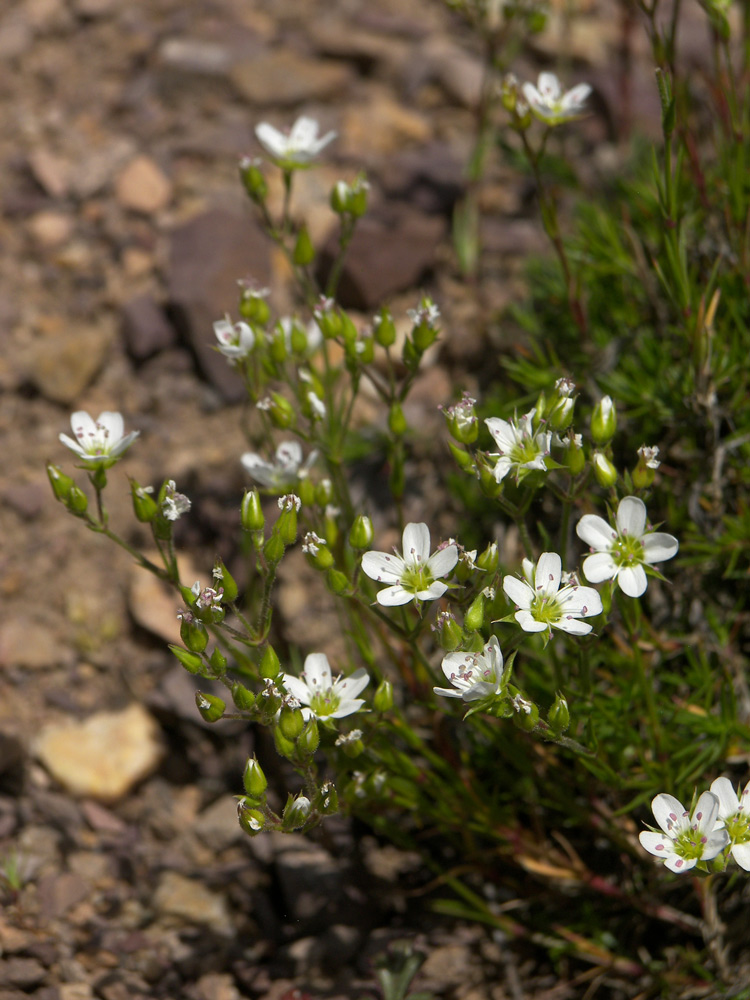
(145, 328)
(22, 972)
(430, 178)
(284, 78)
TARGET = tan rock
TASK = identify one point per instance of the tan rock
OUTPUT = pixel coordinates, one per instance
(104, 756)
(191, 902)
(285, 78)
(154, 604)
(50, 229)
(143, 187)
(382, 126)
(66, 356)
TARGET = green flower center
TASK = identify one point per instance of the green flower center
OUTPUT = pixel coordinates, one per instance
(627, 551)
(738, 828)
(545, 608)
(416, 578)
(690, 844)
(525, 451)
(324, 703)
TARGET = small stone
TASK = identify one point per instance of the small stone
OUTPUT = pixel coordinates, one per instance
(66, 356)
(95, 8)
(60, 893)
(50, 172)
(26, 499)
(145, 328)
(195, 56)
(75, 991)
(216, 986)
(29, 643)
(448, 965)
(153, 603)
(217, 825)
(99, 164)
(24, 973)
(191, 902)
(143, 187)
(50, 229)
(284, 78)
(104, 756)
(382, 126)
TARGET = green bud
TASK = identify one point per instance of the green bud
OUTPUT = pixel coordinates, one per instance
(193, 633)
(144, 505)
(268, 703)
(339, 197)
(558, 716)
(327, 799)
(253, 180)
(490, 486)
(225, 580)
(324, 493)
(603, 421)
(251, 820)
(254, 779)
(329, 322)
(76, 501)
(317, 552)
(251, 512)
(210, 707)
(645, 472)
(298, 338)
(273, 550)
(411, 355)
(304, 251)
(605, 472)
(575, 457)
(383, 698)
(561, 414)
(362, 533)
(253, 307)
(306, 491)
(286, 526)
(351, 744)
(450, 632)
(474, 617)
(218, 662)
(384, 328)
(287, 748)
(337, 582)
(242, 697)
(270, 667)
(348, 330)
(527, 718)
(462, 421)
(190, 661)
(396, 420)
(277, 347)
(464, 460)
(489, 560)
(98, 476)
(61, 484)
(358, 198)
(425, 331)
(296, 813)
(309, 740)
(280, 411)
(291, 722)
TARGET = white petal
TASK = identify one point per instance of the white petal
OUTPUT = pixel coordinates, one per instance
(741, 854)
(532, 95)
(433, 592)
(529, 623)
(347, 708)
(447, 692)
(289, 454)
(502, 468)
(416, 543)
(632, 580)
(518, 591)
(573, 626)
(494, 655)
(549, 87)
(383, 566)
(631, 517)
(271, 139)
(728, 800)
(599, 567)
(594, 531)
(548, 573)
(454, 663)
(706, 812)
(303, 133)
(677, 864)
(715, 844)
(575, 97)
(656, 844)
(659, 546)
(317, 671)
(296, 687)
(73, 445)
(583, 602)
(442, 562)
(124, 443)
(669, 812)
(83, 425)
(352, 685)
(392, 597)
(113, 425)
(482, 689)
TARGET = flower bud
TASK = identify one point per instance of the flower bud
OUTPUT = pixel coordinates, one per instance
(286, 526)
(489, 560)
(396, 420)
(274, 548)
(358, 197)
(449, 631)
(218, 662)
(277, 347)
(327, 799)
(298, 338)
(339, 196)
(425, 317)
(287, 748)
(280, 411)
(603, 421)
(351, 743)
(558, 716)
(296, 813)
(575, 457)
(243, 699)
(61, 484)
(210, 707)
(384, 328)
(253, 180)
(306, 490)
(304, 251)
(560, 416)
(225, 580)
(251, 512)
(361, 534)
(383, 699)
(291, 722)
(253, 306)
(462, 420)
(309, 739)
(337, 582)
(474, 617)
(411, 355)
(190, 661)
(605, 472)
(193, 633)
(645, 472)
(251, 820)
(76, 501)
(328, 319)
(316, 551)
(254, 779)
(509, 92)
(525, 715)
(145, 507)
(464, 460)
(270, 667)
(268, 702)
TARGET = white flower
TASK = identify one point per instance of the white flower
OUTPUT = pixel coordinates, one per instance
(473, 675)
(543, 605)
(236, 340)
(286, 469)
(549, 103)
(686, 839)
(320, 695)
(426, 312)
(734, 817)
(415, 575)
(298, 147)
(521, 447)
(648, 456)
(100, 440)
(620, 553)
(174, 504)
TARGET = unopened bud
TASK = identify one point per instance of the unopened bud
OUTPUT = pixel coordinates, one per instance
(558, 716)
(449, 631)
(324, 492)
(76, 501)
(463, 458)
(339, 197)
(304, 251)
(291, 722)
(280, 410)
(225, 580)
(309, 739)
(254, 779)
(337, 582)
(474, 617)
(327, 799)
(287, 748)
(605, 472)
(61, 484)
(603, 421)
(253, 306)
(218, 662)
(210, 707)
(383, 698)
(384, 328)
(243, 699)
(274, 549)
(145, 507)
(560, 416)
(270, 667)
(251, 512)
(253, 180)
(296, 813)
(190, 661)
(362, 533)
(489, 560)
(251, 820)
(396, 420)
(193, 633)
(645, 472)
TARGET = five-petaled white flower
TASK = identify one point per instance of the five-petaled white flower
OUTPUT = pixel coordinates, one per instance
(415, 576)
(543, 605)
(320, 695)
(296, 148)
(521, 448)
(473, 675)
(734, 817)
(621, 553)
(236, 340)
(686, 839)
(550, 104)
(285, 470)
(99, 441)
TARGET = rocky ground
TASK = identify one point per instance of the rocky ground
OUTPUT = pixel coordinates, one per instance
(123, 871)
